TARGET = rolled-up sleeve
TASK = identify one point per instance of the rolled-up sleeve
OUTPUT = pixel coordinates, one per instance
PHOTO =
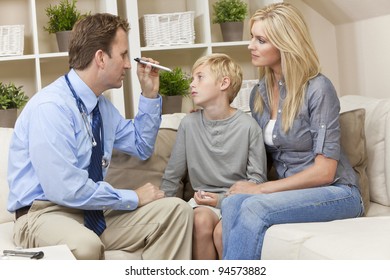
(324, 119)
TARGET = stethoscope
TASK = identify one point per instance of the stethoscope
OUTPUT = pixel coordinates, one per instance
(84, 114)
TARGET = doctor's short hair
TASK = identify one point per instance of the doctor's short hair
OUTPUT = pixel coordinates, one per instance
(92, 33)
(222, 65)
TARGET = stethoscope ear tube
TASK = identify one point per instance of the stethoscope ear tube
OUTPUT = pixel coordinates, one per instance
(84, 115)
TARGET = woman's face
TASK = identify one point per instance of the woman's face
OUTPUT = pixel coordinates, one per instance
(263, 52)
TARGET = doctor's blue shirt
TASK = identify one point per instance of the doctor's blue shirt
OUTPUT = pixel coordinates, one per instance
(50, 149)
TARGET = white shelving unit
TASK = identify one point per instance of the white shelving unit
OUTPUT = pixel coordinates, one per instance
(208, 38)
(42, 63)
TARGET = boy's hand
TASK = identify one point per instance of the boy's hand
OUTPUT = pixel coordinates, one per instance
(206, 198)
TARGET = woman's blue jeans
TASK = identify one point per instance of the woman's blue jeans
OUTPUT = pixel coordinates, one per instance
(245, 218)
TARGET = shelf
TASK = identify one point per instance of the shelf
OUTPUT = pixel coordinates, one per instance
(230, 44)
(176, 47)
(17, 57)
(53, 55)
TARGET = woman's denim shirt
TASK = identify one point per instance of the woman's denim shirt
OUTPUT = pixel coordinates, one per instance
(315, 130)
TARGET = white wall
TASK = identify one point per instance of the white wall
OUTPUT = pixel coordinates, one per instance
(323, 34)
(364, 56)
(355, 55)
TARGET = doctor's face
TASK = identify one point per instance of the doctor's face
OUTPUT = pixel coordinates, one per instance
(118, 62)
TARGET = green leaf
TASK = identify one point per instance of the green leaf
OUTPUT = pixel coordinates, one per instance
(63, 16)
(229, 11)
(176, 82)
(12, 96)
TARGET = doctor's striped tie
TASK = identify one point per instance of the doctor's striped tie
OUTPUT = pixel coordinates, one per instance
(94, 219)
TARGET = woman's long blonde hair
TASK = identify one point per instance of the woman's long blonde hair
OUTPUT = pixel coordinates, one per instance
(287, 31)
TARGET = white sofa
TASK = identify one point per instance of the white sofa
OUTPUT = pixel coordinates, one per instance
(362, 238)
(359, 238)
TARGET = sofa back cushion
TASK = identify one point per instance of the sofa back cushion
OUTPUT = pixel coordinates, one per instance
(353, 143)
(129, 172)
(5, 138)
(377, 131)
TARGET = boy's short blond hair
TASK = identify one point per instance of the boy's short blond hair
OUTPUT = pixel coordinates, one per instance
(222, 65)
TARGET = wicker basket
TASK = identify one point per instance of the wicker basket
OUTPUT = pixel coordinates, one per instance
(242, 99)
(169, 29)
(11, 40)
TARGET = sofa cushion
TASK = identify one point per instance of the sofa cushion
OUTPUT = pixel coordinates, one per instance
(377, 131)
(129, 172)
(5, 138)
(359, 238)
(354, 145)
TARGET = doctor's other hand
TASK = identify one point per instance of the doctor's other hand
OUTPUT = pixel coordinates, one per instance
(148, 193)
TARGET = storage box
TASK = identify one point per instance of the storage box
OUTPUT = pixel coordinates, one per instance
(242, 99)
(169, 29)
(11, 40)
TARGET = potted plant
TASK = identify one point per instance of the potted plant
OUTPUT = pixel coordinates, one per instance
(62, 17)
(12, 98)
(230, 14)
(173, 87)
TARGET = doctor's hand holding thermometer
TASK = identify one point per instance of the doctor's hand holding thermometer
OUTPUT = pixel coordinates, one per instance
(148, 77)
(147, 71)
(154, 65)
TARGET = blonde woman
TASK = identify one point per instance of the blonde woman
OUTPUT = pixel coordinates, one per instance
(298, 109)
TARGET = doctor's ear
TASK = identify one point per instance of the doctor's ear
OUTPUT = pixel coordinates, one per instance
(99, 58)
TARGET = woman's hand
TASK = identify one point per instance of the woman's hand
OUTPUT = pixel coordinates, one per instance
(245, 187)
(206, 198)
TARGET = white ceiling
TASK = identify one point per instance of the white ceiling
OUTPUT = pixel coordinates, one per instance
(344, 11)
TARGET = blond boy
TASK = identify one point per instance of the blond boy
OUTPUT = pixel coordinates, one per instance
(218, 145)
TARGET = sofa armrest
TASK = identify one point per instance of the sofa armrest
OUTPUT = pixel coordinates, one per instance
(377, 133)
(5, 139)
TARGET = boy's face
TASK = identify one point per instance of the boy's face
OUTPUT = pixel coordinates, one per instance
(205, 89)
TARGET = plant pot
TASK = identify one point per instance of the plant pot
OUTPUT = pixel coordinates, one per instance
(171, 104)
(232, 31)
(8, 117)
(63, 40)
